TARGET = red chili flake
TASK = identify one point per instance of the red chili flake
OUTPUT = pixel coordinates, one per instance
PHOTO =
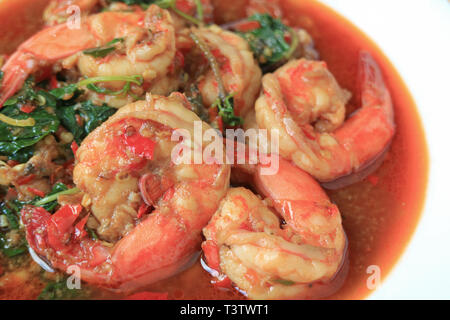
(37, 192)
(247, 26)
(140, 145)
(74, 147)
(169, 194)
(373, 179)
(12, 193)
(179, 58)
(54, 82)
(308, 134)
(27, 108)
(79, 120)
(211, 252)
(12, 163)
(68, 164)
(25, 179)
(80, 231)
(184, 6)
(143, 209)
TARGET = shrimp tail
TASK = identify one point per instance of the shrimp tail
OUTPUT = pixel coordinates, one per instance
(48, 45)
(373, 87)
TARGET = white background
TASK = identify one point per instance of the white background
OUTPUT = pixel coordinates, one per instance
(415, 36)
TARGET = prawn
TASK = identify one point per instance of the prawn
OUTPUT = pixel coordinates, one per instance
(147, 210)
(239, 71)
(299, 256)
(303, 101)
(146, 47)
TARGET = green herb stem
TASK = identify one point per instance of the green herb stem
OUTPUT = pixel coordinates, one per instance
(55, 196)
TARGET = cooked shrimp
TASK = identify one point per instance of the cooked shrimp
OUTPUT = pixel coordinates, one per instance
(138, 196)
(297, 257)
(304, 102)
(240, 73)
(147, 49)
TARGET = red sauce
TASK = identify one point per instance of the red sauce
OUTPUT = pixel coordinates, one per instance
(379, 214)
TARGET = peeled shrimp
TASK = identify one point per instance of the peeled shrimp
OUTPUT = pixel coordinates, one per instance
(148, 208)
(304, 102)
(265, 258)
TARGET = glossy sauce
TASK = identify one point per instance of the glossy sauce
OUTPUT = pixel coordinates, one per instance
(379, 214)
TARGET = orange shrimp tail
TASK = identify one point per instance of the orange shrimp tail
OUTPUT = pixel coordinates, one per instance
(169, 247)
(48, 45)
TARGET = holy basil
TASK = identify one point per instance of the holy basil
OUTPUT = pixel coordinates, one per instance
(16, 141)
(82, 118)
(268, 41)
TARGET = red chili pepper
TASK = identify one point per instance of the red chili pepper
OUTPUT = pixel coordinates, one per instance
(179, 58)
(80, 231)
(27, 108)
(11, 194)
(36, 192)
(12, 163)
(184, 6)
(25, 179)
(74, 147)
(54, 82)
(143, 209)
(169, 194)
(68, 164)
(308, 134)
(211, 252)
(247, 26)
(140, 145)
(79, 120)
(60, 224)
(148, 296)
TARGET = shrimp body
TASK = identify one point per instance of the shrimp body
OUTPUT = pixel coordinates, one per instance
(239, 70)
(304, 102)
(149, 209)
(147, 49)
(268, 259)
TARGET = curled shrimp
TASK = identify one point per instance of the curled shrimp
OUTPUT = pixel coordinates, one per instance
(265, 258)
(304, 102)
(145, 47)
(148, 208)
(240, 74)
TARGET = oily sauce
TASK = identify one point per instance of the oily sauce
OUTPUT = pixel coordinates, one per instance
(379, 214)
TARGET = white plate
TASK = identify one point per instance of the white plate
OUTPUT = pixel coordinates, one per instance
(415, 36)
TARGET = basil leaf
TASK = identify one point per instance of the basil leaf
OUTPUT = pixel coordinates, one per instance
(61, 93)
(12, 216)
(101, 52)
(268, 41)
(91, 114)
(58, 290)
(13, 139)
